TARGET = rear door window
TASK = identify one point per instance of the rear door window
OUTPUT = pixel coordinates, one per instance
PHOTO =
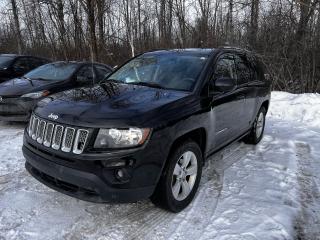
(244, 70)
(260, 70)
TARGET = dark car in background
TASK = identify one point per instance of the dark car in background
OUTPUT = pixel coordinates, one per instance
(13, 65)
(18, 96)
(147, 130)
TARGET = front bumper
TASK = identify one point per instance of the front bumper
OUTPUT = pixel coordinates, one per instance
(86, 179)
(16, 109)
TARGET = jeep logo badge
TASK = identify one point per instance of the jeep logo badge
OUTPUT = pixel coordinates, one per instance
(1, 99)
(53, 116)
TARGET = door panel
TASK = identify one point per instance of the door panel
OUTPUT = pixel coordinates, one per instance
(246, 75)
(226, 110)
(226, 107)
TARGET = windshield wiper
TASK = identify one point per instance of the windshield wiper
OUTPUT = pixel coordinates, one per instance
(28, 79)
(148, 84)
(41, 79)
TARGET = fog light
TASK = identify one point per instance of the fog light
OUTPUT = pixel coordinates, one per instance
(122, 175)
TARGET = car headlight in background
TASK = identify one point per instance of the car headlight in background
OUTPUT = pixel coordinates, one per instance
(121, 138)
(36, 95)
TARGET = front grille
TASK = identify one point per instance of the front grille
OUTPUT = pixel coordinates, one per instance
(56, 136)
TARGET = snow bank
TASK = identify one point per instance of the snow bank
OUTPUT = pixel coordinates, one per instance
(299, 108)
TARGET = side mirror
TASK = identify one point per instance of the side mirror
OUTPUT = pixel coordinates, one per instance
(224, 84)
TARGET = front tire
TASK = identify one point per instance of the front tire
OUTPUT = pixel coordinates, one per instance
(256, 133)
(180, 180)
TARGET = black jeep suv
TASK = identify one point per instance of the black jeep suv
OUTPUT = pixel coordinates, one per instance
(147, 129)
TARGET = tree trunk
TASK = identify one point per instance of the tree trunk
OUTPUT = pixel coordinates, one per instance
(253, 31)
(17, 25)
(100, 16)
(229, 24)
(92, 28)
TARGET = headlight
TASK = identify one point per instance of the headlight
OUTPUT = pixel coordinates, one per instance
(121, 138)
(36, 95)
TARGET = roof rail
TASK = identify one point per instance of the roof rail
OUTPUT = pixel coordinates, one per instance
(234, 48)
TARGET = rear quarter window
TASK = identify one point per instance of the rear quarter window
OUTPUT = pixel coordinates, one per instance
(259, 68)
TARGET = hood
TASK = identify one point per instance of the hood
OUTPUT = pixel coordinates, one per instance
(20, 86)
(109, 104)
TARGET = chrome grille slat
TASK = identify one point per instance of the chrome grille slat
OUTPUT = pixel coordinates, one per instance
(30, 125)
(68, 139)
(48, 135)
(56, 136)
(40, 131)
(35, 128)
(81, 140)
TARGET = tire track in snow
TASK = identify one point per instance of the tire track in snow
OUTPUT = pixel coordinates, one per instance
(165, 225)
(135, 216)
(149, 224)
(308, 222)
(204, 205)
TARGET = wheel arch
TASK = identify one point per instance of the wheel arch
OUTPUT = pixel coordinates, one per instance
(198, 135)
(265, 104)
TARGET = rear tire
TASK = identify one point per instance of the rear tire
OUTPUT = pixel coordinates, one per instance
(180, 179)
(257, 130)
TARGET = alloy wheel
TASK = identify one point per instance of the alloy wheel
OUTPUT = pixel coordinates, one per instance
(184, 176)
(259, 125)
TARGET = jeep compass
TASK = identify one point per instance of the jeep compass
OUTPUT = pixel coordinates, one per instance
(146, 130)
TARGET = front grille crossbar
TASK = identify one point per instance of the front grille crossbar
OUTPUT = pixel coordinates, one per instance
(56, 136)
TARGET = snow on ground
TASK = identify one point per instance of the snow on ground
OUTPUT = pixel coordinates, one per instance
(268, 191)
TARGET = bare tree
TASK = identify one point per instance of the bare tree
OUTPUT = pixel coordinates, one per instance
(17, 25)
(285, 34)
(89, 7)
(253, 30)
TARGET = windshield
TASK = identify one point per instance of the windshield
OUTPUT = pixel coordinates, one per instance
(177, 71)
(53, 72)
(5, 62)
